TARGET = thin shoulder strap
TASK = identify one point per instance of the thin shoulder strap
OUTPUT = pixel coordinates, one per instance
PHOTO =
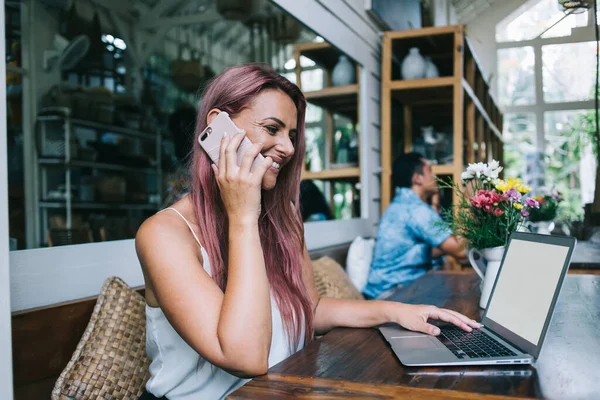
(186, 221)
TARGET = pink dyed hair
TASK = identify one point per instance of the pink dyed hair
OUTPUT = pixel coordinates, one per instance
(281, 232)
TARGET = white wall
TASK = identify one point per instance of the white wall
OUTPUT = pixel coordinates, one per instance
(6, 380)
(482, 34)
(346, 25)
(47, 276)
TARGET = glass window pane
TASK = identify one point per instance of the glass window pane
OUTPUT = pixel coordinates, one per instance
(568, 71)
(563, 28)
(312, 80)
(516, 82)
(345, 200)
(569, 158)
(345, 142)
(291, 76)
(313, 113)
(530, 20)
(519, 145)
(315, 149)
(306, 62)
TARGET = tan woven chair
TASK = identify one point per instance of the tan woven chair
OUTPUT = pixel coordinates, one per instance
(110, 359)
(332, 281)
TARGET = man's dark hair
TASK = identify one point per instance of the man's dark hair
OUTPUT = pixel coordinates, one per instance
(405, 167)
(312, 201)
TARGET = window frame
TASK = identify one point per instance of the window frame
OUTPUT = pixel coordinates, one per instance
(578, 35)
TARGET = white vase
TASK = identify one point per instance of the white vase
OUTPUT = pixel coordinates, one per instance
(343, 73)
(544, 227)
(486, 263)
(413, 65)
(431, 71)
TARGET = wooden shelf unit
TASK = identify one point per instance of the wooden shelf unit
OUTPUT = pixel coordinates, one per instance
(340, 100)
(459, 97)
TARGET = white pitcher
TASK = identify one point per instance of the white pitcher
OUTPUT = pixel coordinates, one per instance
(486, 263)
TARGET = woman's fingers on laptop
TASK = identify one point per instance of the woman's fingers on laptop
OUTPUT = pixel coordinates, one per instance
(416, 316)
(472, 323)
(444, 315)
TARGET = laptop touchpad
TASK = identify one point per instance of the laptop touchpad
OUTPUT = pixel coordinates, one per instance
(423, 342)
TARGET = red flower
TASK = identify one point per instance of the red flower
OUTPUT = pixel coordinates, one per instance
(486, 199)
(498, 212)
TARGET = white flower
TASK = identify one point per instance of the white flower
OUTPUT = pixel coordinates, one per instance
(485, 172)
(477, 169)
(493, 169)
(466, 176)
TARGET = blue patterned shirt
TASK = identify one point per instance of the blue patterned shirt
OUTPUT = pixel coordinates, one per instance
(406, 236)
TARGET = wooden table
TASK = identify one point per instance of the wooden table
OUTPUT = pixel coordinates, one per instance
(358, 362)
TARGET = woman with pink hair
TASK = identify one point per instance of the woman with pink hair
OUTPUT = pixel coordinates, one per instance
(229, 282)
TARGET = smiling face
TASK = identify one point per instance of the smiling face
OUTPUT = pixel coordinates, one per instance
(271, 119)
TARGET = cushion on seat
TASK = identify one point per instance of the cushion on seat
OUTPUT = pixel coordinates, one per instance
(358, 261)
(110, 359)
(332, 281)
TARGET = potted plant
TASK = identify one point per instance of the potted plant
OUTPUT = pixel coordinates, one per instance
(488, 210)
(543, 217)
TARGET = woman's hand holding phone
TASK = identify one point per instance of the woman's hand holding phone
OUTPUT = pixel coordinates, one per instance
(240, 187)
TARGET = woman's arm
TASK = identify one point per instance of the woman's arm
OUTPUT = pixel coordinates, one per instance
(331, 313)
(232, 330)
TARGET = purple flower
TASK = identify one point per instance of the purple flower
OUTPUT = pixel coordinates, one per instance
(532, 203)
(513, 195)
(525, 213)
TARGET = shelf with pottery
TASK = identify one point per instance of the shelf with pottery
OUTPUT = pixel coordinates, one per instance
(435, 100)
(340, 95)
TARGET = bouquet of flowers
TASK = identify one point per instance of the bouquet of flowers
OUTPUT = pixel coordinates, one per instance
(489, 208)
(548, 207)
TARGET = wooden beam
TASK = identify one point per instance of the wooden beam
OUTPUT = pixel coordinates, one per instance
(340, 173)
(457, 106)
(481, 109)
(470, 126)
(124, 32)
(386, 123)
(159, 9)
(206, 17)
(152, 42)
(408, 133)
(422, 32)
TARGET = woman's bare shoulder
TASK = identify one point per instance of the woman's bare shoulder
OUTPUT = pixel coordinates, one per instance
(166, 232)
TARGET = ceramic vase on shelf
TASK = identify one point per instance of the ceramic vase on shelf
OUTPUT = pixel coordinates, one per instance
(431, 71)
(413, 65)
(344, 72)
(486, 263)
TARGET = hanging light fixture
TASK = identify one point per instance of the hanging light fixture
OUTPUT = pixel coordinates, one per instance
(575, 6)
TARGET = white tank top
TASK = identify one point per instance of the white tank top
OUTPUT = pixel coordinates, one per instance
(178, 372)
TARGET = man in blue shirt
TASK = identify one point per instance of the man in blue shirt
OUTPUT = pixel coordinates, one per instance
(409, 237)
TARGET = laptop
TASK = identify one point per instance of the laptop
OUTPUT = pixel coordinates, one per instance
(517, 316)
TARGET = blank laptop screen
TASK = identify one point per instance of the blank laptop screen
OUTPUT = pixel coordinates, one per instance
(526, 286)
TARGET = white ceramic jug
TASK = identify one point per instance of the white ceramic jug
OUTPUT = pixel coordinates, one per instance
(486, 263)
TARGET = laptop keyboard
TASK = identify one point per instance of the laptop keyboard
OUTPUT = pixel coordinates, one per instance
(475, 344)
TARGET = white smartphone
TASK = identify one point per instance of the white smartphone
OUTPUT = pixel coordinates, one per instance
(210, 139)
